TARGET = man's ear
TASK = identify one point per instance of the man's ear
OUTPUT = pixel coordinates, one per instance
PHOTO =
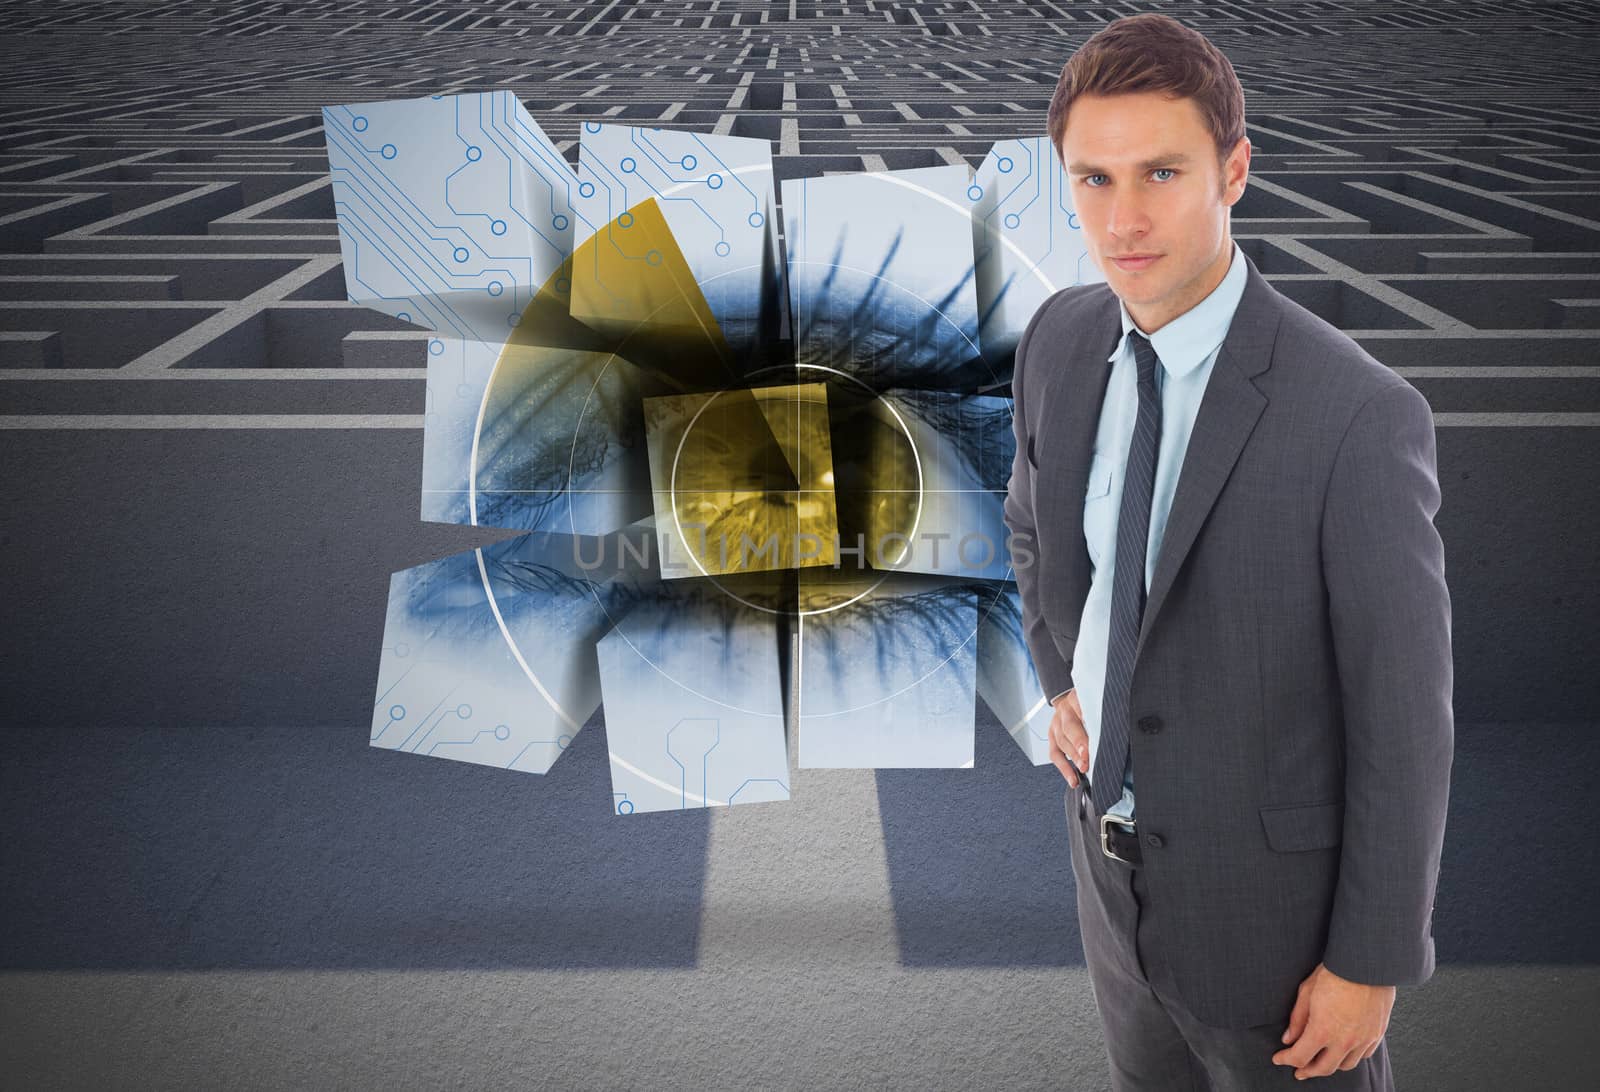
(1236, 172)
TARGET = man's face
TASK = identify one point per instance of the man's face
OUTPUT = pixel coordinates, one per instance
(1145, 182)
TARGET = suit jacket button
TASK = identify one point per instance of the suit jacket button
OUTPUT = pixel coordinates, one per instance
(1154, 841)
(1150, 724)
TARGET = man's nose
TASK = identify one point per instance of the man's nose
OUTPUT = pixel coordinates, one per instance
(1128, 218)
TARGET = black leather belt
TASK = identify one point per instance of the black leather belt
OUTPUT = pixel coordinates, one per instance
(1119, 839)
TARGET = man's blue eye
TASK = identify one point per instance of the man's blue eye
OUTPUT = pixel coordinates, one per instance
(1168, 170)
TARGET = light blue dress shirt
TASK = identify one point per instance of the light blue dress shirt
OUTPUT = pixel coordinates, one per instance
(1187, 349)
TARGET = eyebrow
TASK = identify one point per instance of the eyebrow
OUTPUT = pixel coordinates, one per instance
(1172, 160)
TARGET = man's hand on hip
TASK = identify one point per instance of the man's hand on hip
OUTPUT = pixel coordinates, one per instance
(1335, 1024)
(1069, 740)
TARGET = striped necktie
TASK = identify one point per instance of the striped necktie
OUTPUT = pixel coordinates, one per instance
(1127, 584)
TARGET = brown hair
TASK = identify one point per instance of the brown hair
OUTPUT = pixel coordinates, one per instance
(1152, 52)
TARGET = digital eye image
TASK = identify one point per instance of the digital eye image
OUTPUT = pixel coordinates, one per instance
(755, 446)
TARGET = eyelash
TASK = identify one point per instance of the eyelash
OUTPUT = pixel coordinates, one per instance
(1169, 170)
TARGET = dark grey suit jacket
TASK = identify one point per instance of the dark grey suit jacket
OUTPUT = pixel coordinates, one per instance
(1292, 687)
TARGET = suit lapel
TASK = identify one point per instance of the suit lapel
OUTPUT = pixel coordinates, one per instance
(1228, 412)
(1069, 414)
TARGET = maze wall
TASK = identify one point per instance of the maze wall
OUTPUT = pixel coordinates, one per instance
(1424, 177)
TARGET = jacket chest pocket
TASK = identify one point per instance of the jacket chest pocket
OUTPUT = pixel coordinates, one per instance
(1099, 514)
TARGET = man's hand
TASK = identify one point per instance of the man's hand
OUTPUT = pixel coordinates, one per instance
(1069, 740)
(1335, 1024)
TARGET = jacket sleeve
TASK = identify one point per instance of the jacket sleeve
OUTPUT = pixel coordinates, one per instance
(1055, 673)
(1389, 608)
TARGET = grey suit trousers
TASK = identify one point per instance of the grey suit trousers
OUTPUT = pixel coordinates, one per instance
(1153, 1042)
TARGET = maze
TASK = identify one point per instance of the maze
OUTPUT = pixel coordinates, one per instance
(212, 462)
(1424, 178)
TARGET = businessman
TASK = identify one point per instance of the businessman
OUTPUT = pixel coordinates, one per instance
(1236, 604)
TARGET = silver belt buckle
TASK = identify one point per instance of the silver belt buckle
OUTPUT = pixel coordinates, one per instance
(1105, 834)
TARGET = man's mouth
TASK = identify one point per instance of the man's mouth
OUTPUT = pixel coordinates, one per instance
(1135, 262)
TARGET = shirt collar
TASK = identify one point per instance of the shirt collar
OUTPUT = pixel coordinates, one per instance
(1185, 342)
